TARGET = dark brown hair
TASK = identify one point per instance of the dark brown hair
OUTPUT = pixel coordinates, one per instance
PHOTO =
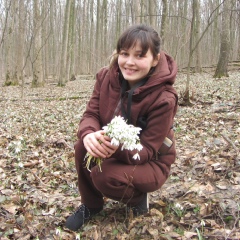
(145, 35)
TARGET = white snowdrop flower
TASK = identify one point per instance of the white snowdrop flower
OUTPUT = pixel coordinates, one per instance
(179, 206)
(221, 122)
(18, 149)
(136, 156)
(139, 147)
(20, 164)
(115, 142)
(204, 150)
(58, 231)
(78, 236)
(202, 223)
(36, 154)
(18, 143)
(120, 133)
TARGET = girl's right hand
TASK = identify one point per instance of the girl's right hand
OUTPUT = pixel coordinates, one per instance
(99, 145)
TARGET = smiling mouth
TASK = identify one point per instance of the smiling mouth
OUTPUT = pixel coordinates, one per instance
(130, 70)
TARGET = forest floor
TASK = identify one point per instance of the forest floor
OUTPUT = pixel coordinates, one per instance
(38, 182)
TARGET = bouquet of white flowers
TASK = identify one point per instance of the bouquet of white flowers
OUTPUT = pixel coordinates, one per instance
(121, 133)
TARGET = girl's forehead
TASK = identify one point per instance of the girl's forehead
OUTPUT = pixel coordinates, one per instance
(137, 46)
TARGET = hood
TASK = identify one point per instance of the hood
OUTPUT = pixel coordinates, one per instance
(165, 73)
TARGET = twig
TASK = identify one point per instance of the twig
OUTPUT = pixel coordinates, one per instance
(229, 141)
(226, 138)
(39, 179)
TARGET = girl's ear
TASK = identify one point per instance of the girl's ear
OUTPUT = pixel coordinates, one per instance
(156, 60)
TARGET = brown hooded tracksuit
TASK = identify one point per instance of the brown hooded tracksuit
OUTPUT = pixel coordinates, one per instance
(123, 178)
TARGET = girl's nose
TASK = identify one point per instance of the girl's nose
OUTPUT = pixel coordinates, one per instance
(130, 60)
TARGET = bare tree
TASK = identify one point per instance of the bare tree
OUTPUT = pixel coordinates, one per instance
(196, 10)
(71, 42)
(152, 13)
(186, 96)
(11, 46)
(193, 47)
(238, 24)
(37, 64)
(105, 26)
(5, 20)
(63, 62)
(164, 20)
(222, 66)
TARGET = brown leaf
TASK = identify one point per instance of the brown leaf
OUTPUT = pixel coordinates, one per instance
(12, 208)
(189, 235)
(154, 233)
(31, 163)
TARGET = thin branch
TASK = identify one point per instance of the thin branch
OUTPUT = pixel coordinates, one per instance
(209, 24)
(5, 25)
(158, 15)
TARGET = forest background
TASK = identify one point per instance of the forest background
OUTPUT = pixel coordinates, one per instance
(63, 39)
(50, 53)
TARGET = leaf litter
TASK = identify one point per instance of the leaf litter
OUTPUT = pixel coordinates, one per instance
(38, 189)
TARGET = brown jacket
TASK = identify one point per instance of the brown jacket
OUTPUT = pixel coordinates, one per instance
(156, 100)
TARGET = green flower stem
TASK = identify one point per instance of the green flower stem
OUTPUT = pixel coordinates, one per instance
(97, 160)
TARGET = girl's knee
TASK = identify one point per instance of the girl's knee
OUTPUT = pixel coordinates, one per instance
(99, 178)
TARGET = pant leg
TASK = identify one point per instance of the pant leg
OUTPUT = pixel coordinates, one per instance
(127, 183)
(90, 196)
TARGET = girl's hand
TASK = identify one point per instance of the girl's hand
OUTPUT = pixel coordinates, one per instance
(99, 145)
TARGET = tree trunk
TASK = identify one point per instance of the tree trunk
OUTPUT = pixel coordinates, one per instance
(222, 66)
(11, 46)
(91, 38)
(105, 26)
(63, 63)
(45, 37)
(164, 21)
(198, 67)
(37, 64)
(118, 22)
(184, 29)
(238, 24)
(152, 13)
(52, 39)
(186, 97)
(71, 43)
(97, 36)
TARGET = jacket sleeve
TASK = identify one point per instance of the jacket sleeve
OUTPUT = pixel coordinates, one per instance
(90, 121)
(159, 122)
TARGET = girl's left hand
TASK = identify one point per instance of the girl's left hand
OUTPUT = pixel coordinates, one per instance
(111, 149)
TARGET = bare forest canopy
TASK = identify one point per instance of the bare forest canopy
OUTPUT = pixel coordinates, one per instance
(58, 40)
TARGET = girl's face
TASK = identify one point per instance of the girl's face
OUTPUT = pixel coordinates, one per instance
(135, 66)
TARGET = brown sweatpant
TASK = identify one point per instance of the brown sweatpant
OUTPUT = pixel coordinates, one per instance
(118, 181)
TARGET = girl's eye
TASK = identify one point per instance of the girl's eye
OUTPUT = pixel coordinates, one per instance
(124, 53)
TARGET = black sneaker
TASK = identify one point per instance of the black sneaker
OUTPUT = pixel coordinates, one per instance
(141, 208)
(81, 216)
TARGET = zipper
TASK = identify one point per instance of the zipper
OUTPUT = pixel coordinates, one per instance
(117, 110)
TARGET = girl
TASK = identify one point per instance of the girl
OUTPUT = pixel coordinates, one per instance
(137, 86)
